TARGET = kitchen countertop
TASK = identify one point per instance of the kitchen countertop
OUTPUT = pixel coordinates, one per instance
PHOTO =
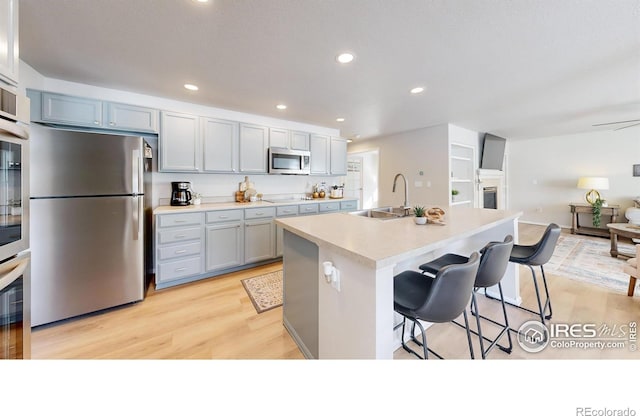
(168, 209)
(380, 243)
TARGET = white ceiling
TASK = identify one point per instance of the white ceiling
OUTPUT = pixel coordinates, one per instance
(515, 68)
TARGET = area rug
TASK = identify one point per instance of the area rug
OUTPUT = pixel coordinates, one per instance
(588, 260)
(265, 291)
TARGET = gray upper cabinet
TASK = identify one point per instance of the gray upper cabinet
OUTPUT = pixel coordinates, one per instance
(338, 156)
(67, 109)
(9, 41)
(299, 140)
(70, 110)
(179, 142)
(319, 146)
(131, 117)
(220, 144)
(279, 138)
(254, 142)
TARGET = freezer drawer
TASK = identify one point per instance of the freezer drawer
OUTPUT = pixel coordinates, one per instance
(87, 255)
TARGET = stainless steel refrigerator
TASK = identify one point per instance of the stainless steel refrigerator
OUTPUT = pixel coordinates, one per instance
(87, 221)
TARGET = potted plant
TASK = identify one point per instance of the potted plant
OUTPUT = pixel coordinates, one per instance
(454, 192)
(596, 208)
(420, 215)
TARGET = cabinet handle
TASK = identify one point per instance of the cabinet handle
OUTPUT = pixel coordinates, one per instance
(179, 220)
(181, 251)
(180, 236)
(223, 217)
(181, 269)
(286, 210)
(259, 214)
(111, 123)
(96, 122)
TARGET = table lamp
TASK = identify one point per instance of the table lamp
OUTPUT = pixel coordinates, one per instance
(593, 184)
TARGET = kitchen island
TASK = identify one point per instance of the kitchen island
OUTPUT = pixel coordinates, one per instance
(350, 315)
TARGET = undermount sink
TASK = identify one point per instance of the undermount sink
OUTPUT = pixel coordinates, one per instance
(383, 213)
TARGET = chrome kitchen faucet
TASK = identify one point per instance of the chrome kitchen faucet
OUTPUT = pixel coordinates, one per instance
(406, 190)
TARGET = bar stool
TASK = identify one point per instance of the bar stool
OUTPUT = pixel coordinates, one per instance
(437, 300)
(493, 265)
(538, 254)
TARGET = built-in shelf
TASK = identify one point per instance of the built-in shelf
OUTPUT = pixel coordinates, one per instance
(462, 173)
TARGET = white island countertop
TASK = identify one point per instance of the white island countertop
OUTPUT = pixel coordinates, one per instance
(380, 243)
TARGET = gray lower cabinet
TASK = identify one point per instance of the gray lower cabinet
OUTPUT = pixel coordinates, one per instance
(224, 239)
(198, 245)
(179, 247)
(259, 234)
(224, 244)
(282, 212)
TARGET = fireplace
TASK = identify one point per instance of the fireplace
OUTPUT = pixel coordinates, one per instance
(489, 197)
(491, 193)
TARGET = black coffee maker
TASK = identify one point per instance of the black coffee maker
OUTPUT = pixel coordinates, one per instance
(180, 193)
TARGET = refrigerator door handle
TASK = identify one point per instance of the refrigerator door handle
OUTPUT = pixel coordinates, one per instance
(135, 171)
(136, 208)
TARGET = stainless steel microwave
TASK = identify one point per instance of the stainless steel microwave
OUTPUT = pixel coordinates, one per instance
(289, 162)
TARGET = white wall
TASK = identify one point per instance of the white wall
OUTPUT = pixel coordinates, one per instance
(544, 172)
(214, 187)
(424, 150)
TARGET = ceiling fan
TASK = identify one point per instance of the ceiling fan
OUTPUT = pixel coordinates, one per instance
(635, 122)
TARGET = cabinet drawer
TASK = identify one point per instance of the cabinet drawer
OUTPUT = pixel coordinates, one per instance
(224, 216)
(286, 210)
(182, 250)
(178, 269)
(182, 234)
(349, 205)
(251, 213)
(308, 209)
(329, 206)
(172, 220)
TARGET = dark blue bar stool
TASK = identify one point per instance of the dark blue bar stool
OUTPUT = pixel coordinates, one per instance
(493, 265)
(439, 299)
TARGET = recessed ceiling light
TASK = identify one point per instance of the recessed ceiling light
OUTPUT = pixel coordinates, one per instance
(416, 90)
(349, 140)
(340, 119)
(191, 87)
(281, 107)
(201, 1)
(345, 58)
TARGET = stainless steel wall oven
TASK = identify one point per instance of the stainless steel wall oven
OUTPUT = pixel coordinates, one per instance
(15, 283)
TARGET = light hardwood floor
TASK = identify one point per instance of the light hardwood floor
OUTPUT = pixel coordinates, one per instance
(214, 319)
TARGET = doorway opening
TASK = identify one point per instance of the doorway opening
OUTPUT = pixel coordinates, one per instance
(362, 178)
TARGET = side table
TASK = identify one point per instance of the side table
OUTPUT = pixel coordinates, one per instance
(580, 208)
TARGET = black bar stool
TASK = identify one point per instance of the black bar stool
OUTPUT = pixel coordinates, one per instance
(493, 265)
(439, 299)
(538, 254)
